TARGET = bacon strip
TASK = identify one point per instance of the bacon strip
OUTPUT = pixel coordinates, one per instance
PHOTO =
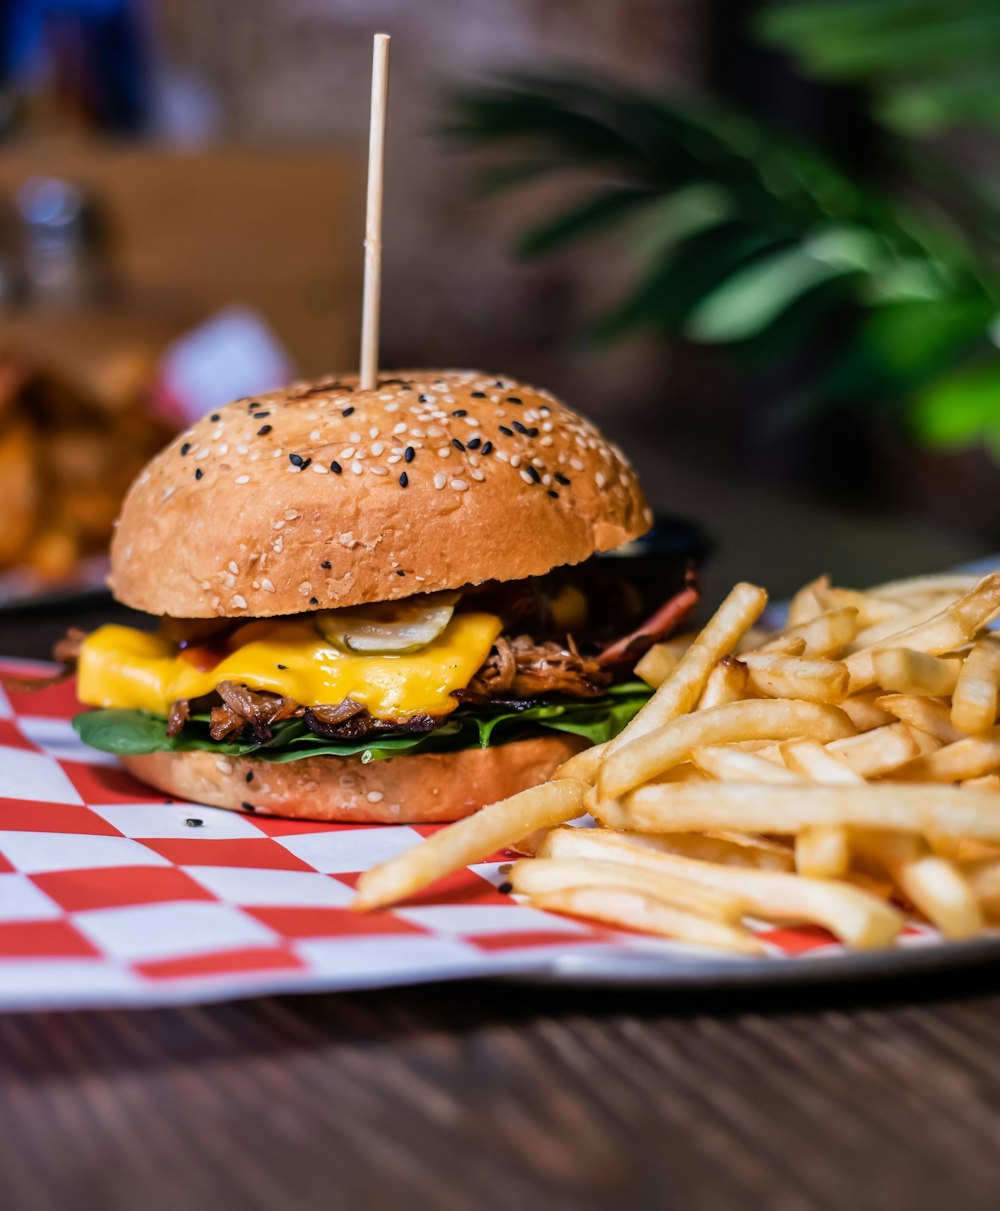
(656, 628)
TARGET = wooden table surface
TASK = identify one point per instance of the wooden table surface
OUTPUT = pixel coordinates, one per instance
(493, 1095)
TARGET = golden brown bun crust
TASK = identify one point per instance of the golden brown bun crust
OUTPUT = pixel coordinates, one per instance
(255, 534)
(425, 788)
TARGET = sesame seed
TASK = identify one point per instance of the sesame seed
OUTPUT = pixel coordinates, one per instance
(478, 394)
(326, 564)
(487, 448)
(354, 437)
(247, 807)
(336, 468)
(424, 399)
(375, 796)
(400, 572)
(553, 492)
(477, 474)
(215, 418)
(527, 478)
(378, 448)
(267, 586)
(460, 412)
(515, 460)
(600, 479)
(186, 448)
(194, 822)
(239, 602)
(533, 475)
(400, 428)
(296, 460)
(378, 471)
(233, 567)
(357, 468)
(347, 411)
(249, 776)
(319, 468)
(348, 452)
(404, 479)
(198, 473)
(440, 480)
(259, 415)
(444, 452)
(314, 601)
(507, 432)
(475, 443)
(460, 485)
(409, 454)
(457, 444)
(305, 463)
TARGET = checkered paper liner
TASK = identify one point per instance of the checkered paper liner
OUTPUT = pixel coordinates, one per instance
(111, 895)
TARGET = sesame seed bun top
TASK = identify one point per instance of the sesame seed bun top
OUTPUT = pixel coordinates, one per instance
(323, 495)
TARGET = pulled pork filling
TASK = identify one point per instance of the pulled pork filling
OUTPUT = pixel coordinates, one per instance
(519, 671)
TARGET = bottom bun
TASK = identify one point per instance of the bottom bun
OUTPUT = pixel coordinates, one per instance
(425, 788)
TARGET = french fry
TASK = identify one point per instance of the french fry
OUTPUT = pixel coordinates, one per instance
(678, 694)
(822, 852)
(824, 635)
(983, 875)
(863, 711)
(806, 603)
(889, 628)
(736, 765)
(916, 586)
(819, 764)
(469, 840)
(985, 782)
(683, 807)
(970, 757)
(657, 751)
(928, 714)
(537, 876)
(727, 682)
(976, 696)
(878, 752)
(725, 848)
(944, 632)
(871, 611)
(925, 742)
(931, 883)
(657, 665)
(583, 766)
(779, 676)
(856, 917)
(633, 910)
(904, 671)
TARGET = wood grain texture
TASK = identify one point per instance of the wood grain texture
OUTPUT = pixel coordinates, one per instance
(497, 1096)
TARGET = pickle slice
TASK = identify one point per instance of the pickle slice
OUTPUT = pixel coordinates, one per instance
(388, 628)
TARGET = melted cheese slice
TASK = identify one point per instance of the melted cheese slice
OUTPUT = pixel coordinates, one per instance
(122, 667)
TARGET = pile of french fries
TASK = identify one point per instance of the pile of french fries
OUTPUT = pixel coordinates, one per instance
(842, 772)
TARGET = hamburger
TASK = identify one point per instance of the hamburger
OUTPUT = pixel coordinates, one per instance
(372, 606)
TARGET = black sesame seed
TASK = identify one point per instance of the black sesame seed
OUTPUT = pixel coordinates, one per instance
(424, 399)
(460, 412)
(305, 463)
(409, 454)
(347, 411)
(478, 394)
(194, 822)
(326, 564)
(185, 449)
(264, 430)
(513, 399)
(553, 492)
(562, 480)
(475, 443)
(544, 410)
(283, 667)
(296, 460)
(505, 888)
(487, 448)
(518, 426)
(214, 417)
(247, 807)
(533, 474)
(506, 432)
(249, 775)
(498, 382)
(404, 479)
(400, 572)
(406, 386)
(336, 468)
(314, 601)
(199, 473)
(260, 415)
(457, 444)
(532, 432)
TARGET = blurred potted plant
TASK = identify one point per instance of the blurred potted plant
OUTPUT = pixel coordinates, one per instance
(741, 237)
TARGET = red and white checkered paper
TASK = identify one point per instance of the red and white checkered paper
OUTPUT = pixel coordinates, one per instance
(108, 896)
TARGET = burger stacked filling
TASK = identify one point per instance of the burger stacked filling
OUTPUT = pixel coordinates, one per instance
(439, 671)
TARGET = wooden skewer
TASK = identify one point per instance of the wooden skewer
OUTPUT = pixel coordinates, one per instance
(373, 215)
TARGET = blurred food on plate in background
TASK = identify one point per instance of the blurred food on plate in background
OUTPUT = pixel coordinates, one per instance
(68, 450)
